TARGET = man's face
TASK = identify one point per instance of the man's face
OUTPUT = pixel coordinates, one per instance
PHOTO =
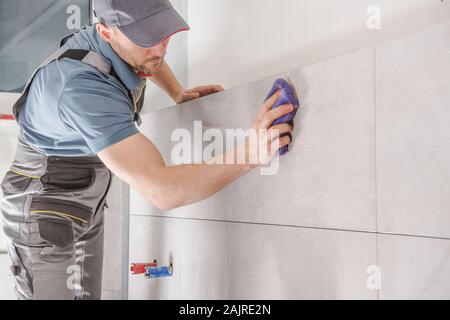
(143, 60)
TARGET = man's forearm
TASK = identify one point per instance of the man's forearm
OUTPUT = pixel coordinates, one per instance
(186, 184)
(166, 80)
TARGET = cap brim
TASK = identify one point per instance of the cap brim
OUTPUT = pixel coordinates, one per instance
(150, 31)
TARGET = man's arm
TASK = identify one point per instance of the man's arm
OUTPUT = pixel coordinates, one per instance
(137, 161)
(166, 80)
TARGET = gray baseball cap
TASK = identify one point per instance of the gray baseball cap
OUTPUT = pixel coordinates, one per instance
(145, 22)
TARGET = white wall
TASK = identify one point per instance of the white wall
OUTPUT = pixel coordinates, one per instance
(233, 42)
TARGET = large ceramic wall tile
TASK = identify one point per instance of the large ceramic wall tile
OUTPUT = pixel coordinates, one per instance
(150, 239)
(116, 236)
(112, 258)
(413, 134)
(327, 180)
(414, 268)
(117, 199)
(222, 260)
(139, 205)
(158, 126)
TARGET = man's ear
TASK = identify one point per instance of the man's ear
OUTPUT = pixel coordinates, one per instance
(105, 32)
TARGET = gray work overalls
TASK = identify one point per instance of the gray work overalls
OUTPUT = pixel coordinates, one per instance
(53, 210)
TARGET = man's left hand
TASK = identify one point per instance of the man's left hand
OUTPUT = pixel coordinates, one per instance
(195, 93)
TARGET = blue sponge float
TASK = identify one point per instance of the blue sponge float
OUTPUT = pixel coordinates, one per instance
(288, 96)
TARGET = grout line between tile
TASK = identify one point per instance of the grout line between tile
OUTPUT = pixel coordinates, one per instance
(375, 162)
(125, 239)
(295, 226)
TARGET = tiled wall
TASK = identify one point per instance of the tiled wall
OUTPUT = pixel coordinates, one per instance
(366, 187)
(116, 242)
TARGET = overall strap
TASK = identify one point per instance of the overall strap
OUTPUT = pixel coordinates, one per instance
(88, 57)
(92, 59)
(97, 61)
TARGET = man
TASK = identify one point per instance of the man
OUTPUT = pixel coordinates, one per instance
(76, 119)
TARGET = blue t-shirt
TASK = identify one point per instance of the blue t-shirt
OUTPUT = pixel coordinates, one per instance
(73, 109)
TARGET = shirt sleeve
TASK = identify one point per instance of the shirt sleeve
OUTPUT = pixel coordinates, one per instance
(98, 110)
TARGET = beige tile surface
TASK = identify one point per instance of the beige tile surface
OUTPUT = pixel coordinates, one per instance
(413, 134)
(221, 260)
(414, 268)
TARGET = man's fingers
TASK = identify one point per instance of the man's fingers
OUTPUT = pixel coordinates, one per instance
(268, 105)
(192, 93)
(282, 142)
(274, 114)
(200, 90)
(279, 130)
(188, 96)
(218, 88)
(206, 90)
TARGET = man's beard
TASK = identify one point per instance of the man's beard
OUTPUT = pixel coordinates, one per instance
(143, 69)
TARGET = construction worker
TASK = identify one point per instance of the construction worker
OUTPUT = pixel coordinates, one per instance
(77, 118)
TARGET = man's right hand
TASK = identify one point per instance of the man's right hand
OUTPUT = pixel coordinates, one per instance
(268, 136)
